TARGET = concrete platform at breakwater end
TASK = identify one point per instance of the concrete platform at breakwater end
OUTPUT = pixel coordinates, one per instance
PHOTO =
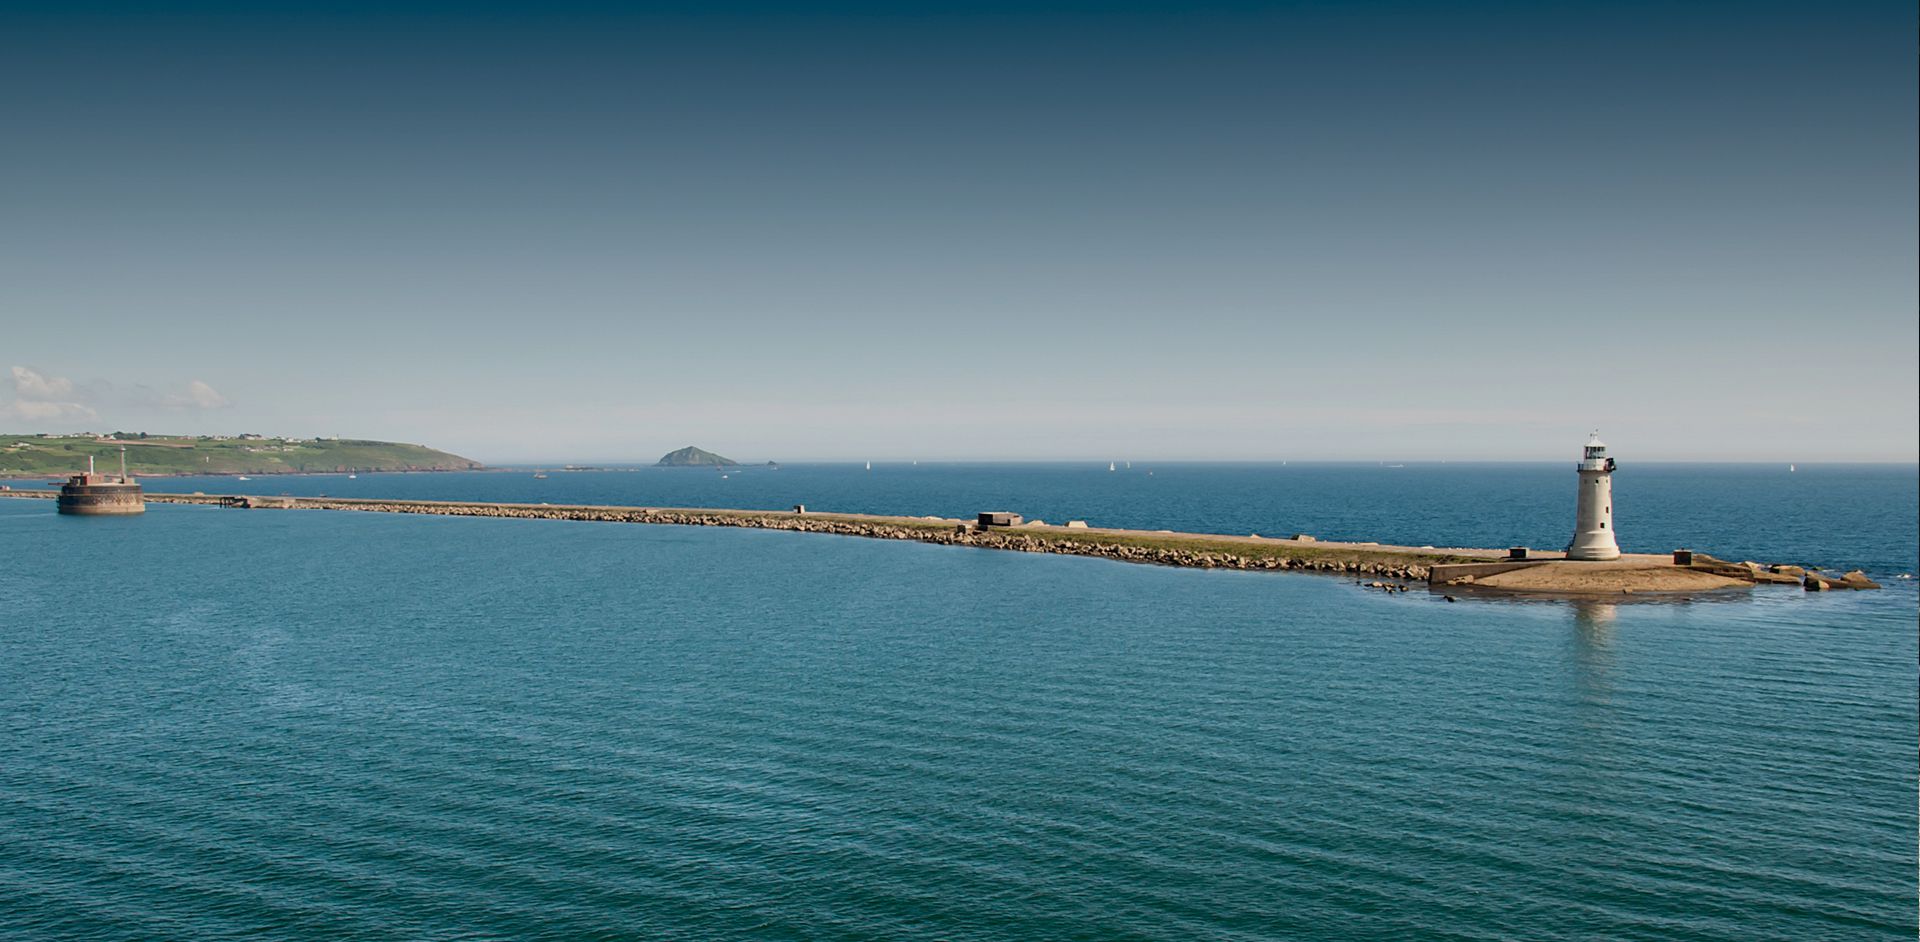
(1476, 571)
(1630, 574)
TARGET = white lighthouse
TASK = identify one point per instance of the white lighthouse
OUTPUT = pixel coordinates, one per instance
(1593, 512)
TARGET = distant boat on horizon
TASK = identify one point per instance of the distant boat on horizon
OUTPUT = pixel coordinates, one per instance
(869, 466)
(1792, 468)
(243, 478)
(1110, 466)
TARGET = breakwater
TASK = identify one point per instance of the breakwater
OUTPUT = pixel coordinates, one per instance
(1488, 570)
(1189, 550)
(1198, 551)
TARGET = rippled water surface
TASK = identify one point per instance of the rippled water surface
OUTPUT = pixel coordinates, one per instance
(285, 724)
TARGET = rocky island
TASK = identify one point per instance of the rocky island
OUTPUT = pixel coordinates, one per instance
(691, 457)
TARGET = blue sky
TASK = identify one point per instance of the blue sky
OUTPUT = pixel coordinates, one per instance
(1313, 230)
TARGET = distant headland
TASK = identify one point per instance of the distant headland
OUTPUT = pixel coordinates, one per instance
(150, 455)
(691, 457)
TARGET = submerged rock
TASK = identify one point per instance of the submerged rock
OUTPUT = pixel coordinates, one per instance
(1855, 579)
(1858, 580)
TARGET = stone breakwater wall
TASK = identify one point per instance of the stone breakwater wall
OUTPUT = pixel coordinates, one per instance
(1440, 568)
(941, 532)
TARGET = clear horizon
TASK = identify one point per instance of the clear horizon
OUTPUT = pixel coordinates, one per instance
(1068, 231)
(751, 459)
(896, 462)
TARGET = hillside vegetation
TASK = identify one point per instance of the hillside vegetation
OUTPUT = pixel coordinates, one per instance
(34, 455)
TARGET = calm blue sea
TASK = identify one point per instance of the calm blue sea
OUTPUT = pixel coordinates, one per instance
(223, 724)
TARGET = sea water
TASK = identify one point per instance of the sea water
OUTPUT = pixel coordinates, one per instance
(222, 723)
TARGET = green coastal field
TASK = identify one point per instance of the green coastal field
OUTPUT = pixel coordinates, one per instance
(35, 455)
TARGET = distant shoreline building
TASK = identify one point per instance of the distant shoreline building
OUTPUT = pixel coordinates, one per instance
(93, 494)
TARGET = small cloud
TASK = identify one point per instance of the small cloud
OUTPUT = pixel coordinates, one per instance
(198, 395)
(39, 387)
(32, 410)
(42, 398)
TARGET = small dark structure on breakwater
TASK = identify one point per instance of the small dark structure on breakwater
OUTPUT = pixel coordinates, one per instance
(256, 503)
(101, 495)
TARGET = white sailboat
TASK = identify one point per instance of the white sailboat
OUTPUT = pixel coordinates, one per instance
(869, 466)
(1792, 468)
(1110, 466)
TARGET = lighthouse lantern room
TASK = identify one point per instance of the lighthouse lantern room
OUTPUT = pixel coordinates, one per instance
(1593, 536)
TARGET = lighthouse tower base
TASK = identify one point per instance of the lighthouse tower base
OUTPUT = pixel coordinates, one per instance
(1594, 550)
